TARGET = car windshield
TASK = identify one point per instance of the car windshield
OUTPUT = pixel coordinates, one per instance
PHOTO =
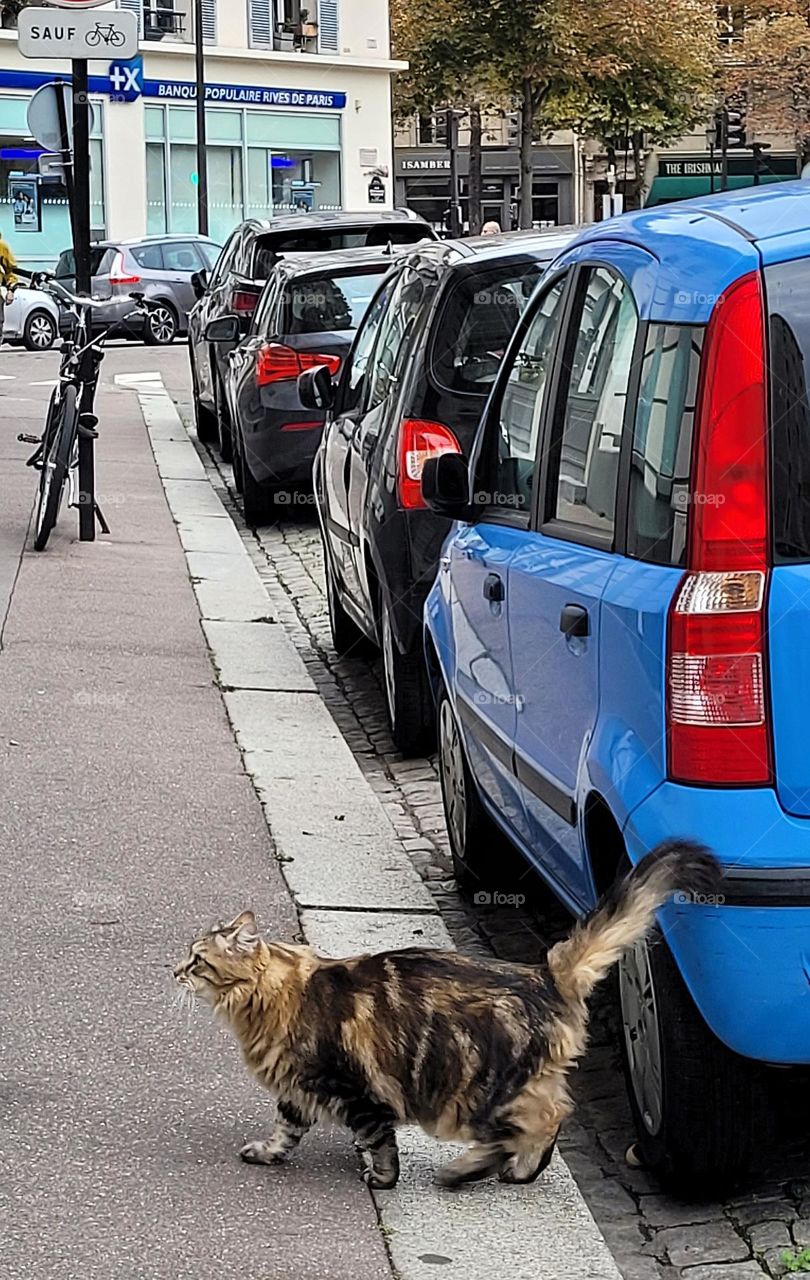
(329, 304)
(315, 239)
(476, 323)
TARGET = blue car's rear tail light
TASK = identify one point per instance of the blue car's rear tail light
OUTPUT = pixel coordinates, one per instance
(719, 730)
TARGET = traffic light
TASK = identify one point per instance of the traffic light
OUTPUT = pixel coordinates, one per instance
(735, 127)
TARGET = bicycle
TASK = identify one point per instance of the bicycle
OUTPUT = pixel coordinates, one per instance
(107, 33)
(70, 423)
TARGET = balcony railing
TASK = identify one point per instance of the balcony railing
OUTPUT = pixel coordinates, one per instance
(169, 21)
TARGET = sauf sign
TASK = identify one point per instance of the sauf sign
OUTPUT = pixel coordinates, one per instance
(47, 33)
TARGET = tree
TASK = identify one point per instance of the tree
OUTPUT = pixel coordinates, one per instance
(768, 58)
(657, 76)
(443, 74)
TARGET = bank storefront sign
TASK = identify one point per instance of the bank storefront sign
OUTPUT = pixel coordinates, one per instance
(127, 80)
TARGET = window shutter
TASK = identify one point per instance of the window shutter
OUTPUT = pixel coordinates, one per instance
(209, 21)
(328, 25)
(260, 17)
(136, 7)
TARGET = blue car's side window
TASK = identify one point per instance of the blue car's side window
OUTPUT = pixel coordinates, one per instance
(521, 409)
(585, 478)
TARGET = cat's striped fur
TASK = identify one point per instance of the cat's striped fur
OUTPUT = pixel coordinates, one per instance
(470, 1051)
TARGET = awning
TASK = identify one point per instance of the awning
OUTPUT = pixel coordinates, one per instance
(664, 190)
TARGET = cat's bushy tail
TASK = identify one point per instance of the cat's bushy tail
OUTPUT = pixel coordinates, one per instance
(627, 912)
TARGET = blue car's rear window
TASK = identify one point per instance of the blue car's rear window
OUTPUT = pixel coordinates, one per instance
(661, 452)
(787, 288)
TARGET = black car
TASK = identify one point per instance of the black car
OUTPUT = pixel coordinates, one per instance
(307, 316)
(237, 281)
(413, 386)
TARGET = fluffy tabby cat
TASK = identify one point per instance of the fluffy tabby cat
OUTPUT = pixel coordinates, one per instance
(470, 1051)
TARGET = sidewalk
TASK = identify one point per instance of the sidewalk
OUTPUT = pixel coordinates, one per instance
(128, 826)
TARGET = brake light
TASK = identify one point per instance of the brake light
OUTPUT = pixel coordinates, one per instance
(245, 302)
(276, 362)
(719, 727)
(118, 273)
(418, 441)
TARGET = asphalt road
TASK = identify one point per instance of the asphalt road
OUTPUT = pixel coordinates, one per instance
(128, 826)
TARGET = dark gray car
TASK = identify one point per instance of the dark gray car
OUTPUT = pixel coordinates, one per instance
(160, 267)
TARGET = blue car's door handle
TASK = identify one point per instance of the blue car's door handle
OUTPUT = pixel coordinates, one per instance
(493, 588)
(574, 621)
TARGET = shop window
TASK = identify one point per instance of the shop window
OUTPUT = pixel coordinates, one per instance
(431, 131)
(545, 203)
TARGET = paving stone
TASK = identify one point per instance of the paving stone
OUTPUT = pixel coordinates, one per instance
(770, 1235)
(725, 1271)
(661, 1211)
(712, 1242)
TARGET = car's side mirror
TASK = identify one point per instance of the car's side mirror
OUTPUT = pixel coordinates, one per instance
(199, 283)
(316, 390)
(446, 486)
(223, 329)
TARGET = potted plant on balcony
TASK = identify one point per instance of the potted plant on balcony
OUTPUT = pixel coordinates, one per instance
(309, 30)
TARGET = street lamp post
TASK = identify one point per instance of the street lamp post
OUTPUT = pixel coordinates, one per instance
(202, 139)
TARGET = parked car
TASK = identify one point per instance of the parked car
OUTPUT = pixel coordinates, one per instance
(306, 317)
(238, 279)
(31, 317)
(161, 267)
(415, 384)
(619, 638)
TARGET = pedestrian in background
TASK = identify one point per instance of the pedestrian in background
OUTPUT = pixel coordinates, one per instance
(8, 279)
(491, 228)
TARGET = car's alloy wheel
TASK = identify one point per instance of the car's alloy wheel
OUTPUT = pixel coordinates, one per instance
(161, 325)
(641, 1034)
(701, 1112)
(451, 764)
(40, 331)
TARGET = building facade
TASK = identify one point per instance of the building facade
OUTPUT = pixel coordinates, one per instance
(422, 172)
(298, 112)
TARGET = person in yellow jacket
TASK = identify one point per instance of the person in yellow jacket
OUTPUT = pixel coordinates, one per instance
(8, 278)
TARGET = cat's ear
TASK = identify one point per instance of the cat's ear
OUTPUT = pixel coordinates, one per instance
(242, 934)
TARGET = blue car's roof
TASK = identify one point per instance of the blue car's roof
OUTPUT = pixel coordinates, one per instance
(704, 244)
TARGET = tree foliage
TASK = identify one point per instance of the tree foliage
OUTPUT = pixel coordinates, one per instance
(770, 62)
(604, 67)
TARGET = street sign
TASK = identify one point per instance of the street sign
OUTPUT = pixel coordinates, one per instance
(44, 33)
(51, 167)
(43, 115)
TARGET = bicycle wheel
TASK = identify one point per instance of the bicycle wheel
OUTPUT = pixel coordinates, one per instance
(55, 467)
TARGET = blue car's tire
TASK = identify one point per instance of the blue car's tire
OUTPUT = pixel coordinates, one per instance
(701, 1112)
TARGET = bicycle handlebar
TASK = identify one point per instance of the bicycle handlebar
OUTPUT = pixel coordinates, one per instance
(49, 284)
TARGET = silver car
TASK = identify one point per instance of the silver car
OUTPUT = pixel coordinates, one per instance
(32, 318)
(160, 267)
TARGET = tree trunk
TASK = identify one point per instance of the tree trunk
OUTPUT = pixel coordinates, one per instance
(526, 137)
(474, 190)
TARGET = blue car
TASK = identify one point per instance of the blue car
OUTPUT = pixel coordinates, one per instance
(619, 638)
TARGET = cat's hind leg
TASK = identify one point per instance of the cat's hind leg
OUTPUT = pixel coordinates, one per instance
(289, 1130)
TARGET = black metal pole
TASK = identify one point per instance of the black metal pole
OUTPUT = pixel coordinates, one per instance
(202, 139)
(724, 154)
(452, 143)
(81, 250)
(711, 168)
(757, 150)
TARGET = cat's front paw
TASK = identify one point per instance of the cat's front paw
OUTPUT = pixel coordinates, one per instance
(261, 1153)
(381, 1181)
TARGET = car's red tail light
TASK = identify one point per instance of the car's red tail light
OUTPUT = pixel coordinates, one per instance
(118, 272)
(276, 362)
(718, 715)
(418, 441)
(245, 302)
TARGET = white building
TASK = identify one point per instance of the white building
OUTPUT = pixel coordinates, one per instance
(298, 115)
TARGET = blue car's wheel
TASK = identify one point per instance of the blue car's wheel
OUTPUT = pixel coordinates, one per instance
(477, 846)
(701, 1112)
